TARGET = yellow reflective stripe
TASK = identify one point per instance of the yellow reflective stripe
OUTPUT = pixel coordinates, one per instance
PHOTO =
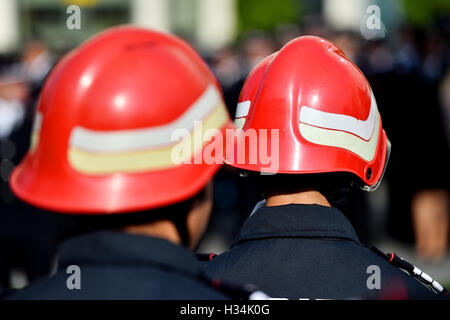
(35, 132)
(342, 139)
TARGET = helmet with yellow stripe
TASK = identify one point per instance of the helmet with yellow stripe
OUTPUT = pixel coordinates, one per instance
(319, 112)
(103, 139)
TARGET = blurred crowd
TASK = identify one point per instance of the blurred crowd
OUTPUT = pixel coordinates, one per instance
(410, 76)
(27, 241)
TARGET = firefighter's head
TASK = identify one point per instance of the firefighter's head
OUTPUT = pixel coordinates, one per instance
(314, 113)
(102, 142)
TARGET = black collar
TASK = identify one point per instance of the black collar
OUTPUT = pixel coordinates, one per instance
(296, 221)
(120, 248)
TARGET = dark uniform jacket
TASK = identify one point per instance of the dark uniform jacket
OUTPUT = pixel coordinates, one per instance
(116, 265)
(310, 251)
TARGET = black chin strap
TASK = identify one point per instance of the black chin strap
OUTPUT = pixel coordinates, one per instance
(338, 197)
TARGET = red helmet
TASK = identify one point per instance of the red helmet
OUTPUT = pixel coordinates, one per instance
(103, 139)
(318, 112)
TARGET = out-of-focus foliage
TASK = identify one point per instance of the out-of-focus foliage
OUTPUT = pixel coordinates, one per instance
(267, 15)
(422, 12)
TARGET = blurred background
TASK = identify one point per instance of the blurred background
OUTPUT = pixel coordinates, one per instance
(402, 46)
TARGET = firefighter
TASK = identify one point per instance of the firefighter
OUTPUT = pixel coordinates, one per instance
(102, 150)
(315, 120)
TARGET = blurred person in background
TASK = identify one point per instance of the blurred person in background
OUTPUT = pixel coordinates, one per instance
(28, 240)
(444, 98)
(232, 68)
(406, 77)
(430, 202)
(13, 95)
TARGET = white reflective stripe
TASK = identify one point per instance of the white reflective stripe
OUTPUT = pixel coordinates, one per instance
(342, 139)
(426, 277)
(258, 295)
(341, 122)
(134, 139)
(242, 108)
(417, 271)
(239, 123)
(437, 286)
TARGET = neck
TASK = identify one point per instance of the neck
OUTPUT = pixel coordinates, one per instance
(303, 197)
(161, 229)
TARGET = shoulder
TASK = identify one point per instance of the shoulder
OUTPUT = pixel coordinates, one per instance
(398, 278)
(120, 283)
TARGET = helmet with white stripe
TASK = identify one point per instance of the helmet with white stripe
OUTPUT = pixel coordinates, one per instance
(111, 121)
(316, 110)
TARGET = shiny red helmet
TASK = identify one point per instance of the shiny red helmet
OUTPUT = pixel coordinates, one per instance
(317, 112)
(103, 139)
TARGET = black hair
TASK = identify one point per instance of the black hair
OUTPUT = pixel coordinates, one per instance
(335, 186)
(176, 213)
